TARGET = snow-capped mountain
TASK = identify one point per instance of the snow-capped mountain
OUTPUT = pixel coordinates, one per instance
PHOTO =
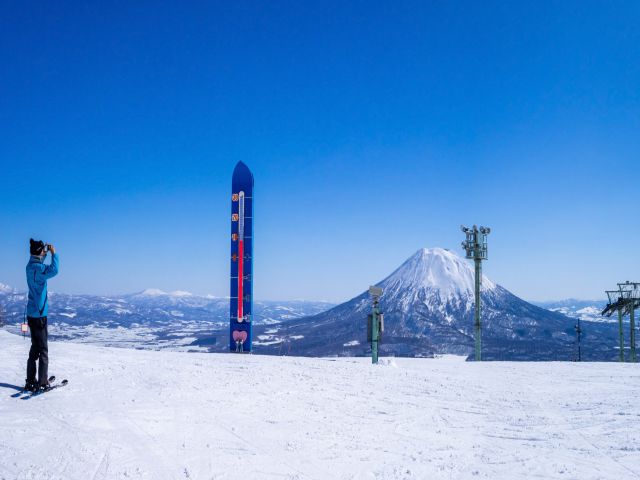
(428, 304)
(435, 278)
(585, 310)
(154, 292)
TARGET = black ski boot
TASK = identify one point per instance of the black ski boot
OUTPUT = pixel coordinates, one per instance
(30, 385)
(46, 385)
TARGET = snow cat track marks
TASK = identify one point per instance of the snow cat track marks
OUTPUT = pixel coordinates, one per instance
(72, 446)
(159, 469)
(103, 467)
(269, 452)
(82, 440)
(131, 452)
(591, 447)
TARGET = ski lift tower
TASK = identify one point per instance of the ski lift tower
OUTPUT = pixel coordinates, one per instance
(475, 246)
(625, 300)
(630, 293)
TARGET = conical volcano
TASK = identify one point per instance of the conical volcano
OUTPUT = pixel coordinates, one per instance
(428, 304)
(434, 269)
(434, 277)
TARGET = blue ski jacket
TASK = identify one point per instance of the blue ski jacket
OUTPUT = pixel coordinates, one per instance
(37, 275)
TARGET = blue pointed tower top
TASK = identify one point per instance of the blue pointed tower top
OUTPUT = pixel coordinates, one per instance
(242, 177)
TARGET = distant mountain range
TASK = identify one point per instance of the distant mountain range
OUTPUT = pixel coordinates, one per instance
(428, 304)
(148, 319)
(586, 310)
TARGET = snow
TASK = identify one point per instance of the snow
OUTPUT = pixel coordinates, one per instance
(155, 292)
(435, 278)
(435, 269)
(131, 414)
(181, 293)
(152, 292)
(588, 312)
(268, 340)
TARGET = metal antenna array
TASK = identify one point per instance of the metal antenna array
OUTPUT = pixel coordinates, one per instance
(625, 300)
(475, 245)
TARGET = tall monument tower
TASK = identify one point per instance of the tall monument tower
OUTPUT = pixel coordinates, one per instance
(241, 291)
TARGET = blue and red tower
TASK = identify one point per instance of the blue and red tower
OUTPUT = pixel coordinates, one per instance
(241, 291)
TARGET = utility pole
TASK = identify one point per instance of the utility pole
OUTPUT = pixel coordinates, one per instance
(578, 334)
(375, 323)
(475, 246)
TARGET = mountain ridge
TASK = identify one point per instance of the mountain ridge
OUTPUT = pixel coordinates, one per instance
(428, 303)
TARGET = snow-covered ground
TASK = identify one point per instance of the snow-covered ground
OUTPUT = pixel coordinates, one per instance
(133, 414)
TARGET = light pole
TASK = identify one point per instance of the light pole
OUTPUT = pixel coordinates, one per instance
(475, 246)
(375, 322)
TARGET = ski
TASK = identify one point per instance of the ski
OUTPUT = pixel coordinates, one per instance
(42, 391)
(52, 379)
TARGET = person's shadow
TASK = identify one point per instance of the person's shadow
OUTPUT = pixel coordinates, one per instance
(13, 387)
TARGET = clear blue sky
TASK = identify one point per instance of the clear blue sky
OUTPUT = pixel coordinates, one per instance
(372, 128)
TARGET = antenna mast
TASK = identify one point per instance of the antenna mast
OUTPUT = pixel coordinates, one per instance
(475, 246)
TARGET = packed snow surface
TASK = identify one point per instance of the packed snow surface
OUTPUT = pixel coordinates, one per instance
(133, 414)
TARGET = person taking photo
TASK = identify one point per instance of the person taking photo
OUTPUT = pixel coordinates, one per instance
(37, 310)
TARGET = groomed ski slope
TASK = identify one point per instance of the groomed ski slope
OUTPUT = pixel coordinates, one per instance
(131, 414)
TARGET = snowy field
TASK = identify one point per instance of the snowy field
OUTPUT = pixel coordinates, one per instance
(133, 414)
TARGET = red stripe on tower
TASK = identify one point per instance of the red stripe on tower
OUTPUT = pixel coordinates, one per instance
(240, 275)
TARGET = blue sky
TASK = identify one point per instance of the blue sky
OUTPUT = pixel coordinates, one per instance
(373, 129)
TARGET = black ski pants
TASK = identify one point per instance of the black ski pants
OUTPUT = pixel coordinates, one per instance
(39, 350)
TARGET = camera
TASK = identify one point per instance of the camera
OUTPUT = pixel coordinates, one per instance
(47, 248)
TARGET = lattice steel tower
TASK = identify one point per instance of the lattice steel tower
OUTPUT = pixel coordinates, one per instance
(625, 300)
(475, 246)
(630, 291)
